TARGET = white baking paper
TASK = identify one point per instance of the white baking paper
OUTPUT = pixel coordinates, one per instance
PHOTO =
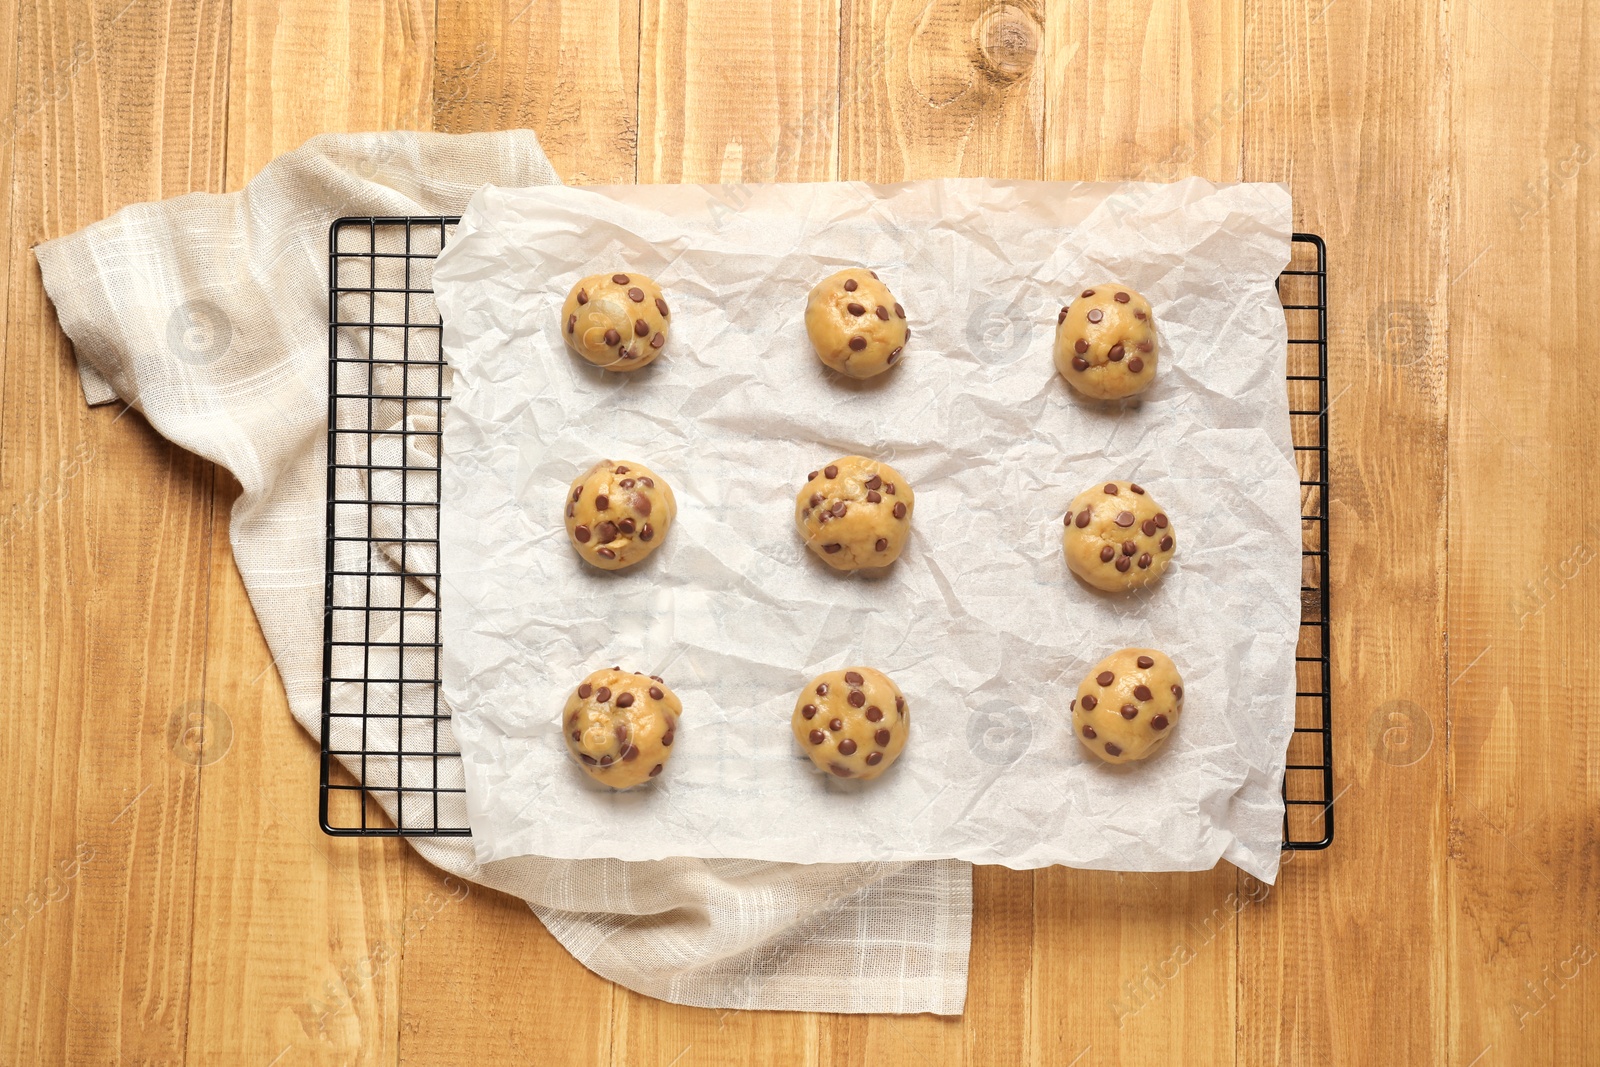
(979, 622)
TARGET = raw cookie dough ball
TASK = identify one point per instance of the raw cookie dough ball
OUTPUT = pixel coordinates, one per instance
(619, 726)
(1106, 343)
(855, 512)
(855, 324)
(1128, 705)
(852, 723)
(617, 513)
(615, 321)
(1117, 538)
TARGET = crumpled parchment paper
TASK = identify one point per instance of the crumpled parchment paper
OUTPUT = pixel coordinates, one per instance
(979, 622)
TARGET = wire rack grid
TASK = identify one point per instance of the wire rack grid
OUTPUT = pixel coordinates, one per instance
(390, 766)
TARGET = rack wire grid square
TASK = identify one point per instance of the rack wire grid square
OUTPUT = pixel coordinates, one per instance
(390, 765)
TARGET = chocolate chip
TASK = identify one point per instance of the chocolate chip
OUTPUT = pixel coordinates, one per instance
(881, 737)
(657, 341)
(572, 320)
(1149, 527)
(602, 694)
(1161, 519)
(590, 760)
(584, 690)
(626, 483)
(1105, 678)
(1068, 520)
(581, 534)
(626, 353)
(894, 355)
(606, 531)
(1135, 364)
(857, 699)
(857, 343)
(576, 734)
(899, 510)
(852, 677)
(874, 482)
(822, 690)
(624, 700)
(1177, 691)
(849, 285)
(602, 502)
(809, 711)
(1061, 316)
(842, 772)
(900, 705)
(836, 725)
(847, 747)
(622, 730)
(648, 483)
(636, 295)
(817, 737)
(830, 471)
(873, 273)
(1072, 704)
(874, 758)
(811, 477)
(874, 713)
(640, 327)
(1081, 347)
(612, 337)
(1111, 489)
(1088, 731)
(1141, 692)
(641, 503)
(1083, 517)
(1159, 722)
(855, 309)
(1129, 548)
(1090, 701)
(629, 753)
(1107, 553)
(1129, 711)
(607, 760)
(1095, 314)
(1139, 315)
(1112, 749)
(1144, 560)
(1124, 519)
(899, 311)
(1116, 353)
(839, 508)
(1088, 292)
(668, 737)
(620, 279)
(889, 488)
(1146, 662)
(1079, 363)
(647, 532)
(1121, 298)
(874, 497)
(1144, 346)
(572, 510)
(583, 296)
(1123, 563)
(1166, 544)
(656, 693)
(655, 770)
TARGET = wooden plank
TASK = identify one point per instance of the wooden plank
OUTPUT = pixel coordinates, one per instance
(297, 935)
(1364, 143)
(1524, 653)
(569, 70)
(103, 618)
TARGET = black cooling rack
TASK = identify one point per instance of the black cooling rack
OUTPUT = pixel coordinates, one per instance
(390, 766)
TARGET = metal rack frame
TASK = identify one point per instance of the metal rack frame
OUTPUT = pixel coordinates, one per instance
(381, 265)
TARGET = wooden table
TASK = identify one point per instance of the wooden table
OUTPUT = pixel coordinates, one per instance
(173, 913)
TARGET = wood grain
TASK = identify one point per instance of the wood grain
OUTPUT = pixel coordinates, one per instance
(176, 906)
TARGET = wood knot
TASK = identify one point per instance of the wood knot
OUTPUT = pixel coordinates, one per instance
(1008, 39)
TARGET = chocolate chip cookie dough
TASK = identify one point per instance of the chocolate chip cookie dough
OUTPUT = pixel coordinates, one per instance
(852, 723)
(618, 513)
(855, 512)
(1106, 343)
(620, 726)
(616, 321)
(1117, 538)
(1128, 705)
(855, 324)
